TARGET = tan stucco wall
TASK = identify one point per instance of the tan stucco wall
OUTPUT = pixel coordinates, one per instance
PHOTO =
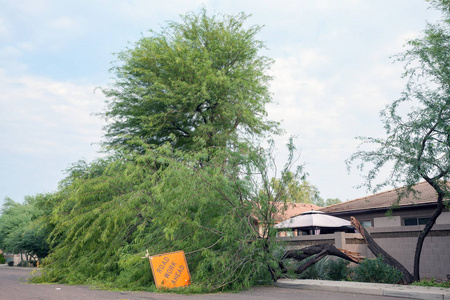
(444, 218)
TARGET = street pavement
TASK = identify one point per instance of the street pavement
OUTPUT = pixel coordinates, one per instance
(13, 286)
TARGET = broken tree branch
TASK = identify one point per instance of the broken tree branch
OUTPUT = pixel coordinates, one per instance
(377, 250)
(321, 251)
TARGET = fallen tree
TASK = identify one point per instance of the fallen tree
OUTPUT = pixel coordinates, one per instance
(321, 251)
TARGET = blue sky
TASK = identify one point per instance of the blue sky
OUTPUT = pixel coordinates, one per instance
(333, 74)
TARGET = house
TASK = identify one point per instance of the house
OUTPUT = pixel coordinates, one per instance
(397, 233)
(371, 211)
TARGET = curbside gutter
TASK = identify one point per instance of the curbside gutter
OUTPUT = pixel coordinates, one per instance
(388, 290)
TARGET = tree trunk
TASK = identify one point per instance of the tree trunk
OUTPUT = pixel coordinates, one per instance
(316, 249)
(321, 250)
(377, 250)
(311, 262)
(423, 234)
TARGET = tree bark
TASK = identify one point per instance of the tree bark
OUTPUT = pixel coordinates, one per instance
(321, 250)
(377, 250)
(423, 234)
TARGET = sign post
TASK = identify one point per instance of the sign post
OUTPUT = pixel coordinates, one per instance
(170, 270)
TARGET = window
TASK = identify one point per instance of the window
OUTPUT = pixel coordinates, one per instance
(415, 221)
(366, 223)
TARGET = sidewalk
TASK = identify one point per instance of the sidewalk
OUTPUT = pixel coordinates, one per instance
(391, 290)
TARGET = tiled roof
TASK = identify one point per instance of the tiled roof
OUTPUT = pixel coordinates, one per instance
(386, 200)
(294, 209)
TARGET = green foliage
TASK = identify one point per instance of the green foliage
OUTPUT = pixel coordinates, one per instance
(20, 230)
(104, 224)
(184, 110)
(417, 145)
(317, 271)
(327, 269)
(326, 202)
(375, 270)
(338, 269)
(199, 78)
(298, 190)
(432, 283)
(2, 258)
(417, 124)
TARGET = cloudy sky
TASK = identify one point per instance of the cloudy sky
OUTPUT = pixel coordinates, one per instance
(333, 74)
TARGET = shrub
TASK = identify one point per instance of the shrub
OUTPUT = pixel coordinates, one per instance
(432, 282)
(316, 271)
(375, 270)
(10, 263)
(338, 269)
(327, 269)
(2, 258)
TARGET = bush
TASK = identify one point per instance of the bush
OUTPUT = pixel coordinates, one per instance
(10, 263)
(338, 269)
(432, 282)
(375, 270)
(317, 271)
(327, 269)
(2, 258)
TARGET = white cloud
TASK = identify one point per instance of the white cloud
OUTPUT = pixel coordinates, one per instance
(42, 115)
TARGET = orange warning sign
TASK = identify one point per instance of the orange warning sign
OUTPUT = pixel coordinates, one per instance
(170, 270)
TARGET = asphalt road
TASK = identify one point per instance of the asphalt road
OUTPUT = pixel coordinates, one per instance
(13, 286)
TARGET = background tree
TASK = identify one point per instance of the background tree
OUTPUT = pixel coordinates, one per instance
(418, 142)
(199, 78)
(20, 230)
(298, 190)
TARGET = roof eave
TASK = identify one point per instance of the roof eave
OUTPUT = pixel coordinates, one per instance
(377, 209)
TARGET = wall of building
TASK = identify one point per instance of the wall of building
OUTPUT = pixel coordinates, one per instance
(444, 218)
(387, 221)
(398, 241)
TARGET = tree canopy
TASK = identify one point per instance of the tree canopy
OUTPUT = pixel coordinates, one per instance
(191, 93)
(418, 123)
(20, 230)
(103, 223)
(198, 79)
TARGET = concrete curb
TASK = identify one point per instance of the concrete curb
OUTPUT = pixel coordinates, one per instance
(5, 266)
(389, 290)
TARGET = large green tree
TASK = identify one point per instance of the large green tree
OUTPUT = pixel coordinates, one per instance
(190, 99)
(418, 142)
(103, 223)
(191, 93)
(198, 79)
